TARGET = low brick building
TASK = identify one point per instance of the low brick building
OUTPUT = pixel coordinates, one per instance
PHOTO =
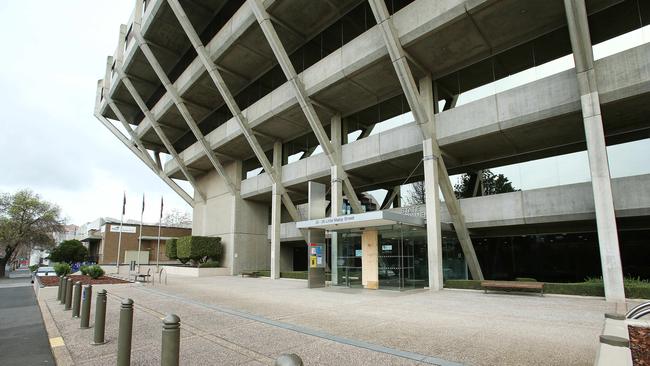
(103, 242)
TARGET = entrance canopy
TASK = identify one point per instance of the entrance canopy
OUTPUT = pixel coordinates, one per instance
(362, 220)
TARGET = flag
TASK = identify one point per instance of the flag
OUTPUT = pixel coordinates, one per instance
(161, 207)
(143, 203)
(124, 204)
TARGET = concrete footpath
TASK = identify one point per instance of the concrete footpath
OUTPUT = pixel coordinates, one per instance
(250, 321)
(23, 339)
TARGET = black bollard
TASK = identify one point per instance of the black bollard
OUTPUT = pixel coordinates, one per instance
(86, 299)
(76, 299)
(125, 333)
(100, 318)
(171, 341)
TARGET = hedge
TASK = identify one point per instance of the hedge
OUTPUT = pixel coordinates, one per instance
(170, 249)
(632, 291)
(198, 248)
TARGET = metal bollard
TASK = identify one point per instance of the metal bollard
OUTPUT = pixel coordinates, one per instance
(76, 299)
(100, 318)
(288, 360)
(68, 294)
(125, 333)
(63, 289)
(86, 299)
(171, 340)
(58, 296)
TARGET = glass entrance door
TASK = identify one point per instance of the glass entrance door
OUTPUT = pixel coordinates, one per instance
(401, 262)
(396, 259)
(349, 259)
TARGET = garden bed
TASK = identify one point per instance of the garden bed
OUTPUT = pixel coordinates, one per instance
(640, 345)
(85, 280)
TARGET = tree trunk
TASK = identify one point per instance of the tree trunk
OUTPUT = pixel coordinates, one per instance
(3, 262)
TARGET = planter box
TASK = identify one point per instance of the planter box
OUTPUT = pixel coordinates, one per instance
(197, 272)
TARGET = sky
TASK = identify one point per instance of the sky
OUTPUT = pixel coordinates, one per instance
(49, 139)
(52, 144)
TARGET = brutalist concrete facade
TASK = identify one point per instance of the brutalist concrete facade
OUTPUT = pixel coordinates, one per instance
(224, 87)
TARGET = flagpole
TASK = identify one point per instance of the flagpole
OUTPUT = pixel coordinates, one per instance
(140, 236)
(119, 237)
(158, 248)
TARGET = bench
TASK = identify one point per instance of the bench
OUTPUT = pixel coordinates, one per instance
(144, 277)
(513, 285)
(250, 274)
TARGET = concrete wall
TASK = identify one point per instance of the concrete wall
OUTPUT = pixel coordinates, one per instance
(241, 224)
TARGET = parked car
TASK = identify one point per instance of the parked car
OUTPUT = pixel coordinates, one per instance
(43, 271)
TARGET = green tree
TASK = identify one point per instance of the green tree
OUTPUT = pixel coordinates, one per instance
(490, 184)
(69, 251)
(26, 221)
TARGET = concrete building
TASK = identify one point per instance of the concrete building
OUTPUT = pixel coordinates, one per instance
(102, 237)
(267, 109)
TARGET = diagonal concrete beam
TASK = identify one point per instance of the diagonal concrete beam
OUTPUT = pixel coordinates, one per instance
(145, 110)
(424, 117)
(178, 101)
(142, 155)
(264, 20)
(608, 244)
(228, 98)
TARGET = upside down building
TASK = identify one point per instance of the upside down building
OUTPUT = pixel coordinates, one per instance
(275, 111)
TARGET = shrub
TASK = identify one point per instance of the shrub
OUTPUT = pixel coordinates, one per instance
(62, 269)
(69, 251)
(33, 267)
(209, 264)
(198, 248)
(84, 270)
(95, 271)
(170, 249)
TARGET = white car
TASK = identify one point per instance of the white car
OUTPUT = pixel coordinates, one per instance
(43, 271)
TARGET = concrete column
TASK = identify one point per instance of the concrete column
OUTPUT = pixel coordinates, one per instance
(370, 259)
(276, 212)
(397, 201)
(596, 150)
(434, 232)
(336, 193)
(431, 184)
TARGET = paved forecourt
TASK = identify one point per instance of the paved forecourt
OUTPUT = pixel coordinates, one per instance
(233, 320)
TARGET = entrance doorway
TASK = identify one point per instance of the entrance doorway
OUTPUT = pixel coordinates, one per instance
(399, 256)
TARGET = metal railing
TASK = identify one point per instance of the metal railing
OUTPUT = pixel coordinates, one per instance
(639, 311)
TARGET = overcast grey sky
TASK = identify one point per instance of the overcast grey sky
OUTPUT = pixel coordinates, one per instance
(53, 54)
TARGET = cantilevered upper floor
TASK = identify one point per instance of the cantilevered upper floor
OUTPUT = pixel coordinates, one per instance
(340, 56)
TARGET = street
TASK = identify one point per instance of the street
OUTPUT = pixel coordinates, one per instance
(23, 339)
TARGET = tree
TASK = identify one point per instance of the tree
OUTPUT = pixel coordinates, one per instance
(26, 221)
(177, 218)
(416, 195)
(69, 251)
(490, 182)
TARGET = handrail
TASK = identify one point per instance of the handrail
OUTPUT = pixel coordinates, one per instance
(160, 275)
(639, 311)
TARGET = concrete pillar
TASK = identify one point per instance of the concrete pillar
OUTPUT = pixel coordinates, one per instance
(397, 201)
(336, 192)
(432, 197)
(434, 232)
(596, 150)
(276, 212)
(370, 259)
